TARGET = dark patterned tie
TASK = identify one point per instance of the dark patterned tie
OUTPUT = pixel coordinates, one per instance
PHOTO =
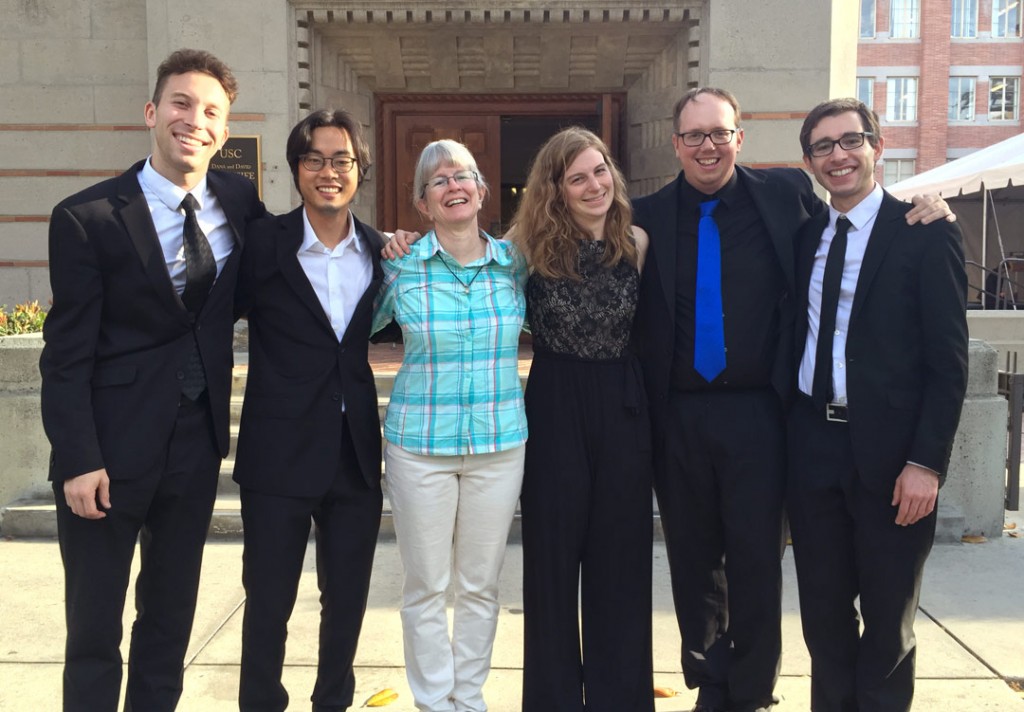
(200, 266)
(709, 329)
(200, 273)
(821, 390)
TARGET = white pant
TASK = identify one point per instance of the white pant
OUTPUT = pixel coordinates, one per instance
(463, 503)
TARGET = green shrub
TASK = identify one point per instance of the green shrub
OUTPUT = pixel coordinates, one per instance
(23, 319)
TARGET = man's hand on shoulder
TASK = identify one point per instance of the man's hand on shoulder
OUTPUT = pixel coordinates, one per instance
(915, 493)
(85, 492)
(929, 208)
(398, 244)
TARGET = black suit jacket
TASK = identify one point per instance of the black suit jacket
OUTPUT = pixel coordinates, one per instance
(785, 201)
(290, 435)
(906, 348)
(118, 334)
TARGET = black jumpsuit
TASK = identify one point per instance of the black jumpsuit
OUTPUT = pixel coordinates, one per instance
(586, 500)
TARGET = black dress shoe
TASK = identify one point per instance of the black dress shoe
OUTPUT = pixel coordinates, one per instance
(705, 708)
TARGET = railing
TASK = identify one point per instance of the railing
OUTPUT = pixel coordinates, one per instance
(1011, 385)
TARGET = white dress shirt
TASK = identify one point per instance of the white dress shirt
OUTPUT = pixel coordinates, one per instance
(862, 221)
(164, 199)
(339, 276)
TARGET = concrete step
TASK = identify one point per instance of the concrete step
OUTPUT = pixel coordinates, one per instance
(37, 519)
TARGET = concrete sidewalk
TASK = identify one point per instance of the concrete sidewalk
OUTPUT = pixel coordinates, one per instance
(970, 632)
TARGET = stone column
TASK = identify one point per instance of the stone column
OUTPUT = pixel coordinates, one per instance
(971, 501)
(26, 451)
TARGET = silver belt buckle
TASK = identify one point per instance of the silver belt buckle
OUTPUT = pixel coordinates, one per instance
(836, 413)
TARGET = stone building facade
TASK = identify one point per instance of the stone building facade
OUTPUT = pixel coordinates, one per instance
(75, 74)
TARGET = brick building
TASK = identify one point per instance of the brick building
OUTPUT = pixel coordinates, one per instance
(943, 75)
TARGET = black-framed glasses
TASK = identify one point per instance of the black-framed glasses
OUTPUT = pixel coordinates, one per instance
(460, 177)
(847, 142)
(315, 162)
(696, 138)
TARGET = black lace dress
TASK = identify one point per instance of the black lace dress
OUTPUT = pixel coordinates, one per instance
(586, 497)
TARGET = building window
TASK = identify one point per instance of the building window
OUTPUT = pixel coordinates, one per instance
(866, 91)
(1002, 98)
(961, 98)
(965, 19)
(1006, 18)
(897, 169)
(901, 99)
(867, 19)
(904, 19)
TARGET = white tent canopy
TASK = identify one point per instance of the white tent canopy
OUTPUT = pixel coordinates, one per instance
(986, 191)
(998, 166)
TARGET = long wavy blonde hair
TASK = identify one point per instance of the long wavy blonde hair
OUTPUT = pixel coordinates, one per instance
(543, 227)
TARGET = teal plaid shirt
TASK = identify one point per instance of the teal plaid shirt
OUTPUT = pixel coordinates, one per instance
(457, 391)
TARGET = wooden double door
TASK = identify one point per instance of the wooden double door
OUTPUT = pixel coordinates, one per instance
(503, 133)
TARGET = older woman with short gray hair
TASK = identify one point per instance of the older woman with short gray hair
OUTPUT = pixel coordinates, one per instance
(455, 427)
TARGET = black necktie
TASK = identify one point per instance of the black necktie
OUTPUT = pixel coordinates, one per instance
(821, 391)
(200, 266)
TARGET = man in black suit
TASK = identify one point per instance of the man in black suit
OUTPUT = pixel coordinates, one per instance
(882, 331)
(136, 380)
(309, 444)
(719, 432)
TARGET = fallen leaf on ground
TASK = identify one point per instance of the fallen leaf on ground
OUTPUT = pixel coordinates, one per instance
(973, 539)
(382, 698)
(1010, 525)
(666, 692)
(1015, 535)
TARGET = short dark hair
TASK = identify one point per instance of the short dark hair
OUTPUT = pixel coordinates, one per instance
(724, 94)
(184, 61)
(834, 107)
(301, 138)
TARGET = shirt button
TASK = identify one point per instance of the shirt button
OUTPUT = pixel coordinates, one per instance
(180, 375)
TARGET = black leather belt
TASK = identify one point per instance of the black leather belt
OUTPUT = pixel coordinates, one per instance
(836, 413)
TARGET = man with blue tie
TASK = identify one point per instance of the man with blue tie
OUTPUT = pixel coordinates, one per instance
(881, 342)
(714, 329)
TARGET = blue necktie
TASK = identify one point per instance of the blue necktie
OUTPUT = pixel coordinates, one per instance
(709, 332)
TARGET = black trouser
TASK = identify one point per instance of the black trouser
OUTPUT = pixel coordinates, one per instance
(720, 489)
(587, 532)
(347, 519)
(167, 512)
(847, 544)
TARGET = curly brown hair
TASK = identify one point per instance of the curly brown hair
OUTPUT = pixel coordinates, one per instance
(543, 227)
(184, 61)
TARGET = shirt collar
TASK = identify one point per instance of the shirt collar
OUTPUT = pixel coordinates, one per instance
(311, 243)
(728, 193)
(498, 251)
(167, 192)
(862, 213)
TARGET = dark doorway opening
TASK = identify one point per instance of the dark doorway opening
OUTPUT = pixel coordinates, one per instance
(503, 131)
(521, 137)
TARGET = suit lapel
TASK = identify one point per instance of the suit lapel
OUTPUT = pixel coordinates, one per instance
(234, 209)
(288, 244)
(881, 238)
(767, 200)
(138, 223)
(372, 241)
(664, 235)
(807, 247)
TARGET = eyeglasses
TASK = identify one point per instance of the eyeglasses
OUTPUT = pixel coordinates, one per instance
(847, 142)
(696, 138)
(460, 177)
(315, 162)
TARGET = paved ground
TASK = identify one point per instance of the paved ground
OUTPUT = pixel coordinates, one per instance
(970, 632)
